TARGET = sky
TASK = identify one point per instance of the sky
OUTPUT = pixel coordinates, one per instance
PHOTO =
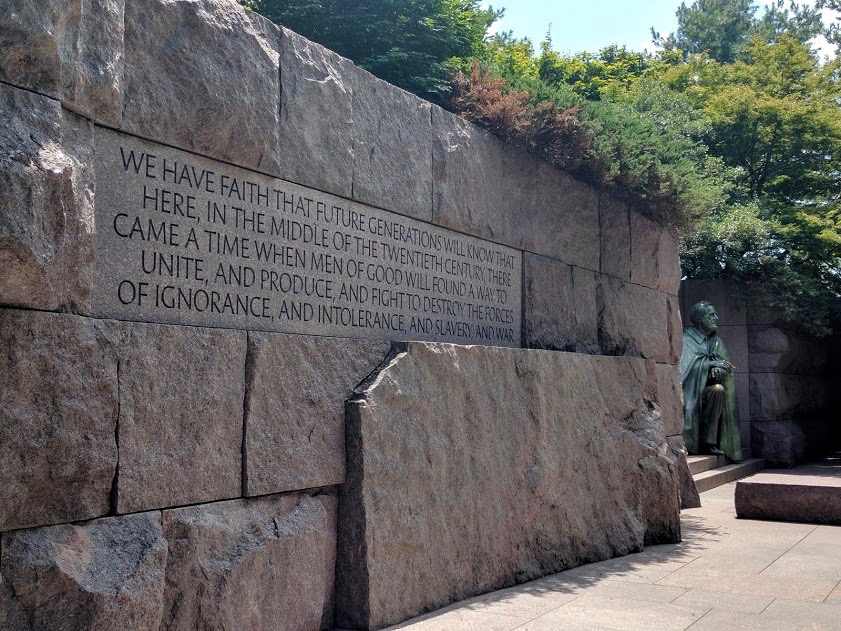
(591, 25)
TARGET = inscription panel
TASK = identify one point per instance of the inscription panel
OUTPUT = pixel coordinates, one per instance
(183, 239)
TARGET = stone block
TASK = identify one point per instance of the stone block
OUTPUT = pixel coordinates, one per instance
(781, 350)
(689, 496)
(392, 145)
(809, 494)
(58, 416)
(775, 397)
(558, 461)
(735, 340)
(490, 189)
(780, 443)
(615, 228)
(638, 321)
(670, 398)
(259, 564)
(654, 255)
(295, 408)
(203, 75)
(70, 50)
(46, 204)
(181, 415)
(316, 116)
(729, 305)
(101, 575)
(560, 306)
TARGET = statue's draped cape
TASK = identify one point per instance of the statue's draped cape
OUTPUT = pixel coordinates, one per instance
(698, 352)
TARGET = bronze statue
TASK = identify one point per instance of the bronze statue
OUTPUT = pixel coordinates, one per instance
(710, 412)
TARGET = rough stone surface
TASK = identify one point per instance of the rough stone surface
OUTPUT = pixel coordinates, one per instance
(487, 188)
(638, 321)
(558, 461)
(70, 50)
(261, 564)
(774, 349)
(46, 204)
(615, 225)
(103, 575)
(775, 397)
(560, 306)
(58, 414)
(689, 496)
(392, 145)
(780, 443)
(670, 397)
(203, 75)
(654, 255)
(181, 407)
(316, 116)
(295, 408)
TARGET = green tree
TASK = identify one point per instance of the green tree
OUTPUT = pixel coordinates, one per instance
(414, 44)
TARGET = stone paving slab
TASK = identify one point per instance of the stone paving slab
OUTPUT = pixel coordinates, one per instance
(809, 493)
(728, 573)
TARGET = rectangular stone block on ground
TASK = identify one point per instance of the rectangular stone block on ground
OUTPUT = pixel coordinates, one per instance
(392, 147)
(258, 564)
(316, 115)
(181, 408)
(70, 50)
(638, 321)
(46, 204)
(203, 75)
(560, 306)
(654, 255)
(58, 416)
(808, 493)
(296, 390)
(558, 461)
(103, 574)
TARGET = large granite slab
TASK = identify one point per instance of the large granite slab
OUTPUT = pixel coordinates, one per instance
(183, 239)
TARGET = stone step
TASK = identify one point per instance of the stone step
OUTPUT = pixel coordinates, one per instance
(699, 464)
(713, 478)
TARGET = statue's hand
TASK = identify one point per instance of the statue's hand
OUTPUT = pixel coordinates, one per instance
(724, 365)
(718, 373)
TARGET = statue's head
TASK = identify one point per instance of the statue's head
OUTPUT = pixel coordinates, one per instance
(704, 317)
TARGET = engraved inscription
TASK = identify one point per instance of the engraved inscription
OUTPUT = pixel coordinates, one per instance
(187, 240)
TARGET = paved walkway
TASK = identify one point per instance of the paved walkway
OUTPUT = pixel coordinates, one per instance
(727, 574)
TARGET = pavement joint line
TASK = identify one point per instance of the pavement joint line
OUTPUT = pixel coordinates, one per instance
(789, 550)
(685, 589)
(773, 600)
(692, 624)
(545, 613)
(837, 585)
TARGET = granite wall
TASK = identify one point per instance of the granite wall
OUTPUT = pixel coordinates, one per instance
(785, 386)
(160, 476)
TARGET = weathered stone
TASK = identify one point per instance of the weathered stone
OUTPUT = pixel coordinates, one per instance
(392, 146)
(70, 50)
(490, 189)
(775, 397)
(638, 321)
(46, 204)
(780, 443)
(316, 116)
(558, 461)
(103, 575)
(295, 408)
(729, 305)
(773, 349)
(670, 398)
(560, 306)
(260, 564)
(809, 493)
(58, 414)
(204, 75)
(689, 496)
(654, 255)
(181, 407)
(615, 228)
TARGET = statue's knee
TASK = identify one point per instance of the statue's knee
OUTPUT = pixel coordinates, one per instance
(718, 389)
